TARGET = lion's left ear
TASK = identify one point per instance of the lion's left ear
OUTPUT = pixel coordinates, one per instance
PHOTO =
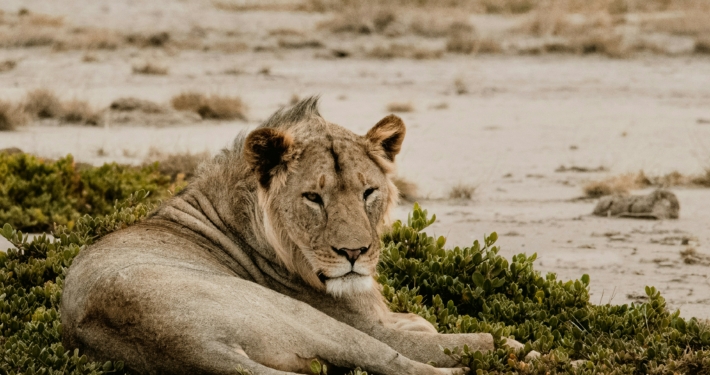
(387, 136)
(268, 152)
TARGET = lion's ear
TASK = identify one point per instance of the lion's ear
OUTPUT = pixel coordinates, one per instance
(268, 151)
(387, 135)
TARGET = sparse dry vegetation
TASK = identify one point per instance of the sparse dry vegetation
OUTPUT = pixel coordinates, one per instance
(462, 191)
(7, 65)
(616, 28)
(215, 107)
(42, 103)
(407, 189)
(692, 256)
(402, 50)
(180, 167)
(150, 69)
(298, 42)
(624, 183)
(440, 106)
(460, 86)
(613, 185)
(89, 58)
(158, 39)
(400, 107)
(134, 104)
(11, 116)
(79, 112)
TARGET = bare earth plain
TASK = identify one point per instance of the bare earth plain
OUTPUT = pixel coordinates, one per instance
(521, 118)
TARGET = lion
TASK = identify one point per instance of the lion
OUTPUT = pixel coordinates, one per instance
(263, 263)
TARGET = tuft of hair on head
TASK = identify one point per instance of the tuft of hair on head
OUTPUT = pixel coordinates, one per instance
(288, 116)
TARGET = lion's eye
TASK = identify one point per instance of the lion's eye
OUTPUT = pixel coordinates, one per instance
(313, 197)
(367, 193)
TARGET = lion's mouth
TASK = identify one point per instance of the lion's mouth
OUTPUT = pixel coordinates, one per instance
(323, 278)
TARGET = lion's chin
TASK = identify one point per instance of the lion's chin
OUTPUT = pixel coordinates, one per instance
(348, 285)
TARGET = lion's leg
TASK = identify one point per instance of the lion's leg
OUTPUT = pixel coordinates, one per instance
(408, 334)
(426, 346)
(171, 319)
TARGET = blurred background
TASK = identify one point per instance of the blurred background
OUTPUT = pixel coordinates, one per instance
(520, 113)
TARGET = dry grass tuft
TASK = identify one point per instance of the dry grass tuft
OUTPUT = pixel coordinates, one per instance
(11, 116)
(179, 167)
(42, 103)
(299, 43)
(211, 107)
(462, 42)
(701, 180)
(361, 20)
(401, 50)
(692, 256)
(43, 20)
(151, 69)
(26, 36)
(244, 6)
(440, 106)
(624, 183)
(460, 86)
(159, 39)
(89, 58)
(294, 99)
(7, 65)
(462, 191)
(79, 112)
(613, 185)
(407, 189)
(400, 107)
(134, 104)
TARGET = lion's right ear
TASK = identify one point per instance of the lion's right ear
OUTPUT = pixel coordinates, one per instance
(268, 151)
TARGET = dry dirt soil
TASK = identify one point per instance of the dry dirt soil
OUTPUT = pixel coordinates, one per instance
(520, 118)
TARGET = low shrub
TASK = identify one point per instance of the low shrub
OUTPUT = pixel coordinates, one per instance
(462, 191)
(31, 279)
(400, 107)
(36, 194)
(42, 103)
(11, 116)
(150, 69)
(214, 107)
(473, 289)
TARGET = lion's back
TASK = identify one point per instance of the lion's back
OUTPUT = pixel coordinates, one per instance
(142, 244)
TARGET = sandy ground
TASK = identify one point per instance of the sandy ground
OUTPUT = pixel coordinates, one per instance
(521, 119)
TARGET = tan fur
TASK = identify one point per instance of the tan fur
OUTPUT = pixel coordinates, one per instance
(266, 261)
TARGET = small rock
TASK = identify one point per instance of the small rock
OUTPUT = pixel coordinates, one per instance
(661, 204)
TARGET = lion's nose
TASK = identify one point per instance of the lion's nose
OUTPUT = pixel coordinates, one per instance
(351, 254)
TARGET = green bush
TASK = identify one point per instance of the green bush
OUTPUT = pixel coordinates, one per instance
(35, 193)
(31, 280)
(473, 289)
(460, 290)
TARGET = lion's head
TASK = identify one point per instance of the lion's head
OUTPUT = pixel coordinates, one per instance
(324, 194)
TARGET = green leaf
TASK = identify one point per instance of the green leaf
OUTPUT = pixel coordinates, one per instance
(478, 279)
(316, 367)
(585, 279)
